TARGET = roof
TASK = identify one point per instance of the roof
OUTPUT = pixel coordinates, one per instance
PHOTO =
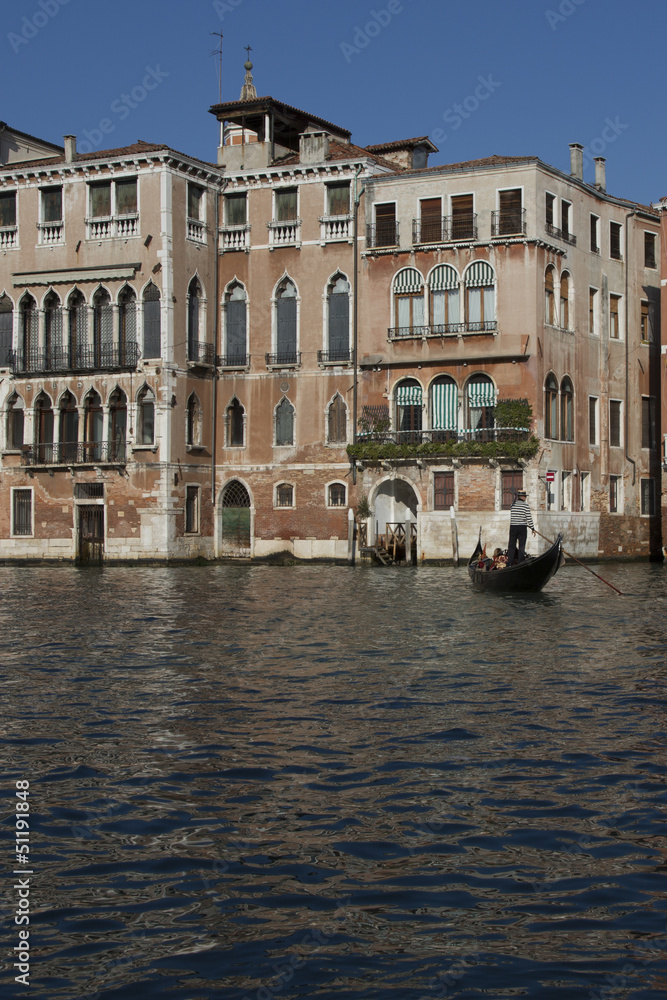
(344, 151)
(26, 135)
(397, 144)
(138, 148)
(257, 107)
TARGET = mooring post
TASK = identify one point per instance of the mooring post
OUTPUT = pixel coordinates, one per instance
(455, 538)
(350, 536)
(408, 539)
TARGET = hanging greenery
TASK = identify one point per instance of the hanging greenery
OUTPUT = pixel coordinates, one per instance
(515, 413)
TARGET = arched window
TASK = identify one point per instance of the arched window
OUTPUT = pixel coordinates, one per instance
(146, 416)
(127, 325)
(338, 332)
(152, 324)
(336, 495)
(284, 495)
(29, 332)
(194, 296)
(408, 289)
(565, 301)
(15, 421)
(480, 401)
(408, 400)
(445, 299)
(193, 421)
(286, 334)
(236, 341)
(93, 427)
(102, 328)
(6, 330)
(551, 408)
(549, 300)
(77, 327)
(53, 332)
(235, 420)
(566, 410)
(69, 427)
(117, 425)
(480, 289)
(284, 423)
(444, 407)
(337, 421)
(43, 428)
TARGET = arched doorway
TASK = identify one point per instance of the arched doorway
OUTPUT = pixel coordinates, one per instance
(235, 520)
(394, 500)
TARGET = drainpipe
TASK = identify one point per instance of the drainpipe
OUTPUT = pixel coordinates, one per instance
(355, 313)
(627, 347)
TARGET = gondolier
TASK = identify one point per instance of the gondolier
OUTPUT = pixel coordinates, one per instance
(521, 520)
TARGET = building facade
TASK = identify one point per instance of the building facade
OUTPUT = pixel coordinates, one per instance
(222, 360)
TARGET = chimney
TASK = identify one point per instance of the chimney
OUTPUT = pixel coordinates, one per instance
(600, 173)
(577, 160)
(313, 146)
(70, 147)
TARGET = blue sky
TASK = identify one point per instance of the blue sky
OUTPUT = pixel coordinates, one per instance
(523, 77)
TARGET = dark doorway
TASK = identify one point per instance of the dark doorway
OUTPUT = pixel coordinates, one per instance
(91, 534)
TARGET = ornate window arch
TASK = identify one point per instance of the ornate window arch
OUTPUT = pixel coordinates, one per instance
(193, 421)
(195, 324)
(409, 410)
(284, 423)
(77, 328)
(43, 427)
(117, 425)
(6, 329)
(68, 429)
(235, 324)
(551, 407)
(152, 339)
(127, 321)
(443, 406)
(408, 295)
(336, 424)
(445, 301)
(145, 416)
(566, 409)
(15, 422)
(338, 318)
(53, 330)
(565, 290)
(480, 399)
(480, 296)
(550, 296)
(29, 327)
(286, 321)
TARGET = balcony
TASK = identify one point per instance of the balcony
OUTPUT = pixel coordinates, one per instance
(50, 233)
(9, 237)
(81, 359)
(284, 234)
(382, 234)
(341, 356)
(508, 223)
(112, 227)
(482, 442)
(232, 238)
(76, 453)
(447, 229)
(335, 228)
(234, 361)
(285, 359)
(441, 330)
(562, 234)
(196, 230)
(200, 355)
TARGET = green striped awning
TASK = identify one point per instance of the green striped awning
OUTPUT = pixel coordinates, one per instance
(444, 406)
(442, 278)
(481, 394)
(408, 280)
(479, 274)
(408, 395)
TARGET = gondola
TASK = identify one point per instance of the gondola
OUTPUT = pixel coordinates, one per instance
(528, 576)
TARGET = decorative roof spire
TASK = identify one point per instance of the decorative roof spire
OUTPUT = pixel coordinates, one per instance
(248, 92)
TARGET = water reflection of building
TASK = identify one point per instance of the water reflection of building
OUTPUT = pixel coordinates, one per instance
(158, 407)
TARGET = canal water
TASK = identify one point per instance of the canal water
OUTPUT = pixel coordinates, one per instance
(351, 784)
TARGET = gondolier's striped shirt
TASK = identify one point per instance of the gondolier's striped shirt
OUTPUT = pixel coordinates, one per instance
(520, 514)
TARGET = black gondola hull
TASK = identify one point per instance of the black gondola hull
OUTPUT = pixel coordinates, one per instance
(530, 576)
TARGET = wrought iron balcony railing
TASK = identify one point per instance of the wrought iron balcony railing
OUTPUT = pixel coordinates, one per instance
(284, 359)
(103, 357)
(562, 234)
(509, 222)
(200, 353)
(76, 453)
(479, 434)
(382, 234)
(441, 330)
(234, 361)
(341, 356)
(447, 229)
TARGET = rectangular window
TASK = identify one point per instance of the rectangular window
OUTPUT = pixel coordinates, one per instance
(443, 490)
(286, 205)
(648, 496)
(615, 240)
(646, 323)
(649, 250)
(614, 494)
(100, 200)
(565, 217)
(463, 218)
(512, 480)
(595, 234)
(593, 322)
(430, 217)
(284, 495)
(8, 208)
(615, 423)
(126, 196)
(337, 495)
(52, 204)
(235, 209)
(21, 512)
(592, 420)
(510, 218)
(549, 209)
(192, 509)
(615, 317)
(338, 199)
(386, 230)
(195, 202)
(585, 491)
(648, 422)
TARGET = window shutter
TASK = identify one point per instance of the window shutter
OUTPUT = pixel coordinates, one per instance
(339, 322)
(286, 323)
(236, 328)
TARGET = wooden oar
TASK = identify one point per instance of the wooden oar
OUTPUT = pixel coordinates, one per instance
(570, 556)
